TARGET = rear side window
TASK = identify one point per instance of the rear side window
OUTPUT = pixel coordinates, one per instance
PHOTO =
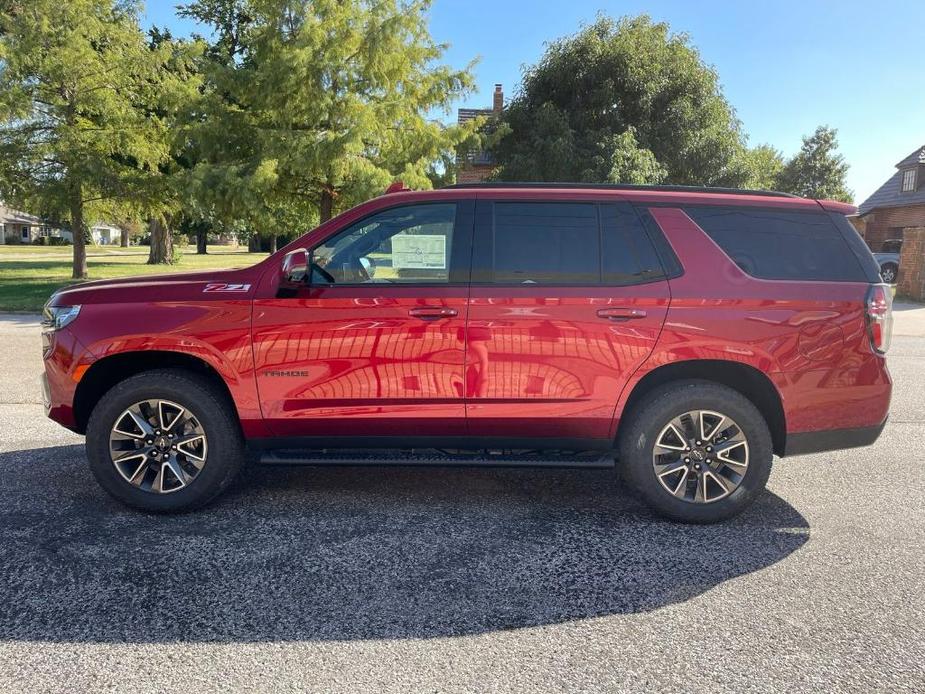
(546, 243)
(627, 255)
(780, 244)
(563, 243)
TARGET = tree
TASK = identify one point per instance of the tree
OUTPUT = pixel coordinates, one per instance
(764, 164)
(72, 135)
(817, 171)
(570, 119)
(312, 106)
(631, 163)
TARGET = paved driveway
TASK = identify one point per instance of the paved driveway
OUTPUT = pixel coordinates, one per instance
(461, 580)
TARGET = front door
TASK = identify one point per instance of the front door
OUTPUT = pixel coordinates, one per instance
(567, 301)
(374, 346)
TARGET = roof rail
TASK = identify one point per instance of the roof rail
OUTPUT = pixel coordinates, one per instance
(628, 186)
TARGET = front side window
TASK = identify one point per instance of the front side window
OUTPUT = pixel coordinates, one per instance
(410, 244)
(908, 180)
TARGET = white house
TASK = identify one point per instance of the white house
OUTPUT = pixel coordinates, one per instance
(106, 234)
(17, 226)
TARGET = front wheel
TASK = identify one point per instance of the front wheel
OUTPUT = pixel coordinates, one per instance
(697, 452)
(164, 441)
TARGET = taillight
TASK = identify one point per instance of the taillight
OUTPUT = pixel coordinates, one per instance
(880, 317)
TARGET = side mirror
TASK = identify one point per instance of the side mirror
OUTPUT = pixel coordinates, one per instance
(294, 270)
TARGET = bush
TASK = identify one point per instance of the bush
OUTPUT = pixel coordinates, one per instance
(40, 241)
(12, 239)
(58, 241)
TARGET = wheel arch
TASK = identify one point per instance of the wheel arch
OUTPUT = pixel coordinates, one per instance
(745, 379)
(105, 373)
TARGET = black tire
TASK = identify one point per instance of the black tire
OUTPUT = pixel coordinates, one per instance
(226, 450)
(655, 411)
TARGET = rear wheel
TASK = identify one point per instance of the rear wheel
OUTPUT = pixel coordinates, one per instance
(164, 440)
(697, 452)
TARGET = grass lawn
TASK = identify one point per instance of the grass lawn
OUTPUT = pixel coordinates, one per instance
(30, 274)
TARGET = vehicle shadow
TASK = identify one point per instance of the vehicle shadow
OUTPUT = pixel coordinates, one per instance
(293, 554)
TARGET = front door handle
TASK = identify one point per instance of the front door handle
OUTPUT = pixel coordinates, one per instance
(432, 312)
(621, 314)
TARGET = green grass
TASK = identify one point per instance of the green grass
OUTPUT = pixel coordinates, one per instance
(30, 274)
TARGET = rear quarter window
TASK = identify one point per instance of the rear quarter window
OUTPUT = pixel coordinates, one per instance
(781, 244)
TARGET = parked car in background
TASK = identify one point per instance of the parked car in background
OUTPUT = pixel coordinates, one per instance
(888, 260)
(684, 335)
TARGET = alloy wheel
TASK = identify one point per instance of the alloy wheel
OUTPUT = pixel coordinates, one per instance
(700, 456)
(158, 446)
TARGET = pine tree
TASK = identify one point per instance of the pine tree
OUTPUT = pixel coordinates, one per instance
(73, 135)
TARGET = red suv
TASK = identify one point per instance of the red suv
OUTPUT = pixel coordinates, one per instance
(688, 334)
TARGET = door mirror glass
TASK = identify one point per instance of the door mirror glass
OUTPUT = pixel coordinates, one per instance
(294, 270)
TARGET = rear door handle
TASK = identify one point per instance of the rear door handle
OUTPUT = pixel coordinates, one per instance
(621, 314)
(432, 312)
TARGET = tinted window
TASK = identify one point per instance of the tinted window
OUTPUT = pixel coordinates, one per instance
(546, 243)
(778, 244)
(628, 256)
(401, 245)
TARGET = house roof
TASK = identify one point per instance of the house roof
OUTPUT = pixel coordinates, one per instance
(9, 215)
(466, 114)
(890, 193)
(917, 157)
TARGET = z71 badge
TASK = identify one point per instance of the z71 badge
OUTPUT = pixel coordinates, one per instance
(224, 287)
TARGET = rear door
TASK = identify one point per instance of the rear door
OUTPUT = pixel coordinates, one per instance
(567, 300)
(375, 345)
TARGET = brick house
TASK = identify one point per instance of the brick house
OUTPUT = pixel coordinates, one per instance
(474, 167)
(896, 205)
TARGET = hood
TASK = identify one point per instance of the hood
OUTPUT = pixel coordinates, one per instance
(179, 286)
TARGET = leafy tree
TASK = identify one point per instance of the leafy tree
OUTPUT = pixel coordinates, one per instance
(631, 163)
(312, 106)
(817, 170)
(72, 135)
(764, 164)
(570, 119)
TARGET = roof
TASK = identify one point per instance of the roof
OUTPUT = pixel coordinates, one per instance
(8, 214)
(890, 193)
(466, 114)
(917, 157)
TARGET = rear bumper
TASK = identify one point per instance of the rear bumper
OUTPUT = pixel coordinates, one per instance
(804, 442)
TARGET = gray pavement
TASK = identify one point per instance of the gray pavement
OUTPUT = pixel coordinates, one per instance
(461, 580)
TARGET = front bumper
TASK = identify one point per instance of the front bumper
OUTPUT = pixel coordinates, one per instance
(804, 442)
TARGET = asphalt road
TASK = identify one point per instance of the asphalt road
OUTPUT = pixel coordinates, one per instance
(461, 580)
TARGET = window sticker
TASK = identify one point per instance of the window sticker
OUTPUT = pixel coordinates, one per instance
(419, 251)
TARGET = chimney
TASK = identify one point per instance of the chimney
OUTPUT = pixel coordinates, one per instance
(498, 104)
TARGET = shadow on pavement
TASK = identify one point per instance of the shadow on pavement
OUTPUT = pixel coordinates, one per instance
(352, 553)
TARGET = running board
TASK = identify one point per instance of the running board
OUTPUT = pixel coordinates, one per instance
(430, 457)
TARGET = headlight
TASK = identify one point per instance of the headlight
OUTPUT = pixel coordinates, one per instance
(58, 317)
(55, 318)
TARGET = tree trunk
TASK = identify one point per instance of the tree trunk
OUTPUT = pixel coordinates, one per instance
(253, 244)
(78, 231)
(327, 204)
(123, 241)
(161, 252)
(272, 244)
(201, 241)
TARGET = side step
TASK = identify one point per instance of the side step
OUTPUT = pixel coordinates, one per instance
(439, 457)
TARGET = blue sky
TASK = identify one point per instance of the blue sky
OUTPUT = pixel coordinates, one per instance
(785, 66)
